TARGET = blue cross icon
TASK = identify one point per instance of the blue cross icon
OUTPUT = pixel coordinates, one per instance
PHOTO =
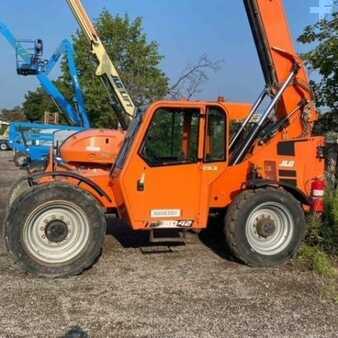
(324, 8)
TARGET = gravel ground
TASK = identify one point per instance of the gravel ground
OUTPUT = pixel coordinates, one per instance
(136, 290)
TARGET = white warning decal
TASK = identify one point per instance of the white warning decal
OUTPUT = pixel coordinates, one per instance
(165, 213)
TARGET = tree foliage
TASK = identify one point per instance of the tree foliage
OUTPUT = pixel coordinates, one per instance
(323, 59)
(36, 103)
(137, 60)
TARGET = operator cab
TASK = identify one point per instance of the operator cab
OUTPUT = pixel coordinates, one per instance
(181, 145)
(32, 63)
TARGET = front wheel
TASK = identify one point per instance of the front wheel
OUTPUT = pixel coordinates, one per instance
(265, 227)
(55, 230)
(18, 189)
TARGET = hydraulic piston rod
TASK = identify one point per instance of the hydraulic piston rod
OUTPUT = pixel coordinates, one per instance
(265, 115)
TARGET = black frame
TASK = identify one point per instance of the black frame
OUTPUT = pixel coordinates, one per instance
(152, 165)
(226, 130)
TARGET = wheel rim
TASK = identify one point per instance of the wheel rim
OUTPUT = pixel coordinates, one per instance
(269, 228)
(56, 232)
(3, 146)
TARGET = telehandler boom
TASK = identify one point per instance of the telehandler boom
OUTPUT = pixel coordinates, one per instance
(98, 148)
(122, 102)
(179, 162)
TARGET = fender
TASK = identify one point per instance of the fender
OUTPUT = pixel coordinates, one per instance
(83, 179)
(297, 193)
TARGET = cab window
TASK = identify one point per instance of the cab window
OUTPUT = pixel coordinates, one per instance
(215, 144)
(172, 137)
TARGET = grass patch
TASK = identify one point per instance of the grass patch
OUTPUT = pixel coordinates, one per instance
(319, 253)
(317, 260)
(323, 230)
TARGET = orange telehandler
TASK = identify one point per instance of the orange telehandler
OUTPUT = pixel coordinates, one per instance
(180, 160)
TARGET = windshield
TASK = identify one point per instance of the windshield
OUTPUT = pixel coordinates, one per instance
(128, 142)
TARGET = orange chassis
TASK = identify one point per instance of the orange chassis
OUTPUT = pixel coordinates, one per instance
(196, 189)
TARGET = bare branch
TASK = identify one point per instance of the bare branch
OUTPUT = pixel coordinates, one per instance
(192, 78)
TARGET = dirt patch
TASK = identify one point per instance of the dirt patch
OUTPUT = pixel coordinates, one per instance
(136, 290)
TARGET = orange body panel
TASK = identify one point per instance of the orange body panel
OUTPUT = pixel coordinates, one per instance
(98, 146)
(165, 187)
(295, 169)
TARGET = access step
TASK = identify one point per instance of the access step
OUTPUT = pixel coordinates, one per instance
(167, 236)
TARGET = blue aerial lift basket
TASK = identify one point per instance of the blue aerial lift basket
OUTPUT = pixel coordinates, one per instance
(29, 57)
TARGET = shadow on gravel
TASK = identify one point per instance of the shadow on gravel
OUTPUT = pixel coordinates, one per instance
(129, 238)
(214, 240)
(212, 237)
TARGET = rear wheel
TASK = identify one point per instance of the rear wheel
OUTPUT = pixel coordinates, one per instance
(265, 227)
(55, 230)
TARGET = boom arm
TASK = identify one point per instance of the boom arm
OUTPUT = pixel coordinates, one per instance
(278, 56)
(287, 83)
(123, 103)
(66, 48)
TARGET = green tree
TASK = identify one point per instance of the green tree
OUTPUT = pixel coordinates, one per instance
(137, 61)
(36, 104)
(323, 59)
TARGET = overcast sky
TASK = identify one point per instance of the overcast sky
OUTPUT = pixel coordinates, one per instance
(185, 30)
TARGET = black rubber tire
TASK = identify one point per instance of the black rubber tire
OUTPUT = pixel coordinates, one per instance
(235, 226)
(18, 188)
(27, 202)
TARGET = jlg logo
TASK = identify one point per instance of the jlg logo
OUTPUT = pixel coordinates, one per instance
(122, 89)
(287, 164)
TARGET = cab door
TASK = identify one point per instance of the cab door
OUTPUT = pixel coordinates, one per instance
(215, 156)
(162, 181)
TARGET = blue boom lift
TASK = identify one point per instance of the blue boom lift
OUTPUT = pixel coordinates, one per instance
(31, 142)
(34, 145)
